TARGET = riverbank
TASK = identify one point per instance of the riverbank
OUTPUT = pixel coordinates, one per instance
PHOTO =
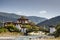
(27, 38)
(10, 34)
(19, 36)
(7, 38)
(49, 39)
(14, 38)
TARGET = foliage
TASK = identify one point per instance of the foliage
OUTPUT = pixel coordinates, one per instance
(43, 29)
(3, 29)
(12, 29)
(57, 33)
(35, 28)
(31, 28)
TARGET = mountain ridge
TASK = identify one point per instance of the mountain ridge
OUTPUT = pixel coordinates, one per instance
(52, 21)
(13, 17)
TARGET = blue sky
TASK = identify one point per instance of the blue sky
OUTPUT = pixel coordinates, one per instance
(40, 8)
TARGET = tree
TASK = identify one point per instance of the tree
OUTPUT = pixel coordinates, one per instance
(3, 29)
(12, 29)
(57, 32)
(31, 28)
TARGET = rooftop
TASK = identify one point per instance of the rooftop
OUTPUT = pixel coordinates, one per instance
(22, 18)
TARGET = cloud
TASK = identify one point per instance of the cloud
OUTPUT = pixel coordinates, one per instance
(18, 12)
(43, 12)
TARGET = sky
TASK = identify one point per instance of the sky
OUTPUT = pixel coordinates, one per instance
(40, 8)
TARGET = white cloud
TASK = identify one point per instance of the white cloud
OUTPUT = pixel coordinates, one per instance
(43, 12)
(18, 12)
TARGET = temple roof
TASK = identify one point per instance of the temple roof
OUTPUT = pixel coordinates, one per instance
(22, 18)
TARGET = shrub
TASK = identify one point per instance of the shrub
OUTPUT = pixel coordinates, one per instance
(3, 29)
(57, 32)
(12, 29)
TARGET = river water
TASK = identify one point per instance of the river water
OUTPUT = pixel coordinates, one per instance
(28, 37)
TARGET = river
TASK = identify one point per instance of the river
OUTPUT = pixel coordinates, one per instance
(28, 38)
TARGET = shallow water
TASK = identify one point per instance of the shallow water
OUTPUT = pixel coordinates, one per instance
(27, 37)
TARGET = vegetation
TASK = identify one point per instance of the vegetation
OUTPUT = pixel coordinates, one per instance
(57, 33)
(3, 29)
(12, 29)
(44, 29)
(9, 29)
(31, 28)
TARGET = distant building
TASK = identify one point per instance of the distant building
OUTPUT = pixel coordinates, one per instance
(23, 20)
(18, 24)
(24, 30)
(8, 23)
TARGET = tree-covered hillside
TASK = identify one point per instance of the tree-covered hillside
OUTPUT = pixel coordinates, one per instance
(14, 17)
(52, 21)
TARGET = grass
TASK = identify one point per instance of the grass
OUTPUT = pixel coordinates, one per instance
(10, 34)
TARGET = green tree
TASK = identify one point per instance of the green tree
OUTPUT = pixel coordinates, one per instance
(3, 29)
(31, 28)
(12, 29)
(57, 32)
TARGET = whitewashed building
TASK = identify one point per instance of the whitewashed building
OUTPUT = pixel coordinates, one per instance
(52, 29)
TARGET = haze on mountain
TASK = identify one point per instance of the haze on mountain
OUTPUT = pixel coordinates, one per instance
(53, 21)
(13, 17)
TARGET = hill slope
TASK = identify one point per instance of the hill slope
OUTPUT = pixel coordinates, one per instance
(52, 21)
(14, 17)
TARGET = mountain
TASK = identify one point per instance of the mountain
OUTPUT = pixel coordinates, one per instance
(13, 17)
(52, 21)
(36, 19)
